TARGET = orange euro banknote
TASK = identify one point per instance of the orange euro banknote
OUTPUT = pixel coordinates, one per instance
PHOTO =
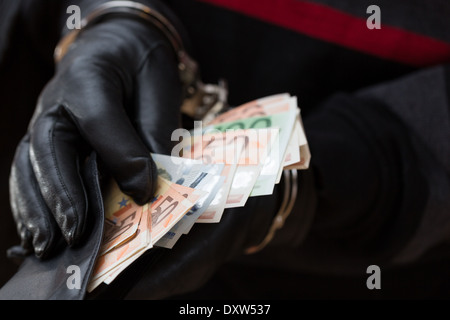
(156, 218)
(168, 207)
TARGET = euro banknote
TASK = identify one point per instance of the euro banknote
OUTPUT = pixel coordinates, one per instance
(236, 155)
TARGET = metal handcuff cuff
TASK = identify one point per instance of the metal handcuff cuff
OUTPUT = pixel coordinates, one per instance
(202, 101)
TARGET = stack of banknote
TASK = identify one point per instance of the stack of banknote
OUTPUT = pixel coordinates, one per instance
(218, 165)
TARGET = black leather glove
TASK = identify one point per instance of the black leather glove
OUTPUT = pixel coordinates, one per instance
(117, 92)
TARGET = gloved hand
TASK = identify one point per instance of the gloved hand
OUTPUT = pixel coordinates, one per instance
(117, 92)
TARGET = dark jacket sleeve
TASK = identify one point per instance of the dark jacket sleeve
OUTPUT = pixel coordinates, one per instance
(421, 102)
(381, 167)
(29, 32)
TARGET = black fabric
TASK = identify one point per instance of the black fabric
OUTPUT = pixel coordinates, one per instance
(239, 281)
(258, 58)
(432, 14)
(369, 208)
(21, 70)
(379, 158)
(368, 212)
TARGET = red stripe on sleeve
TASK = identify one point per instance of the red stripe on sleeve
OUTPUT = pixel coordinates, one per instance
(331, 25)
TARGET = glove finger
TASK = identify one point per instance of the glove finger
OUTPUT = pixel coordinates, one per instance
(55, 158)
(159, 98)
(95, 96)
(35, 224)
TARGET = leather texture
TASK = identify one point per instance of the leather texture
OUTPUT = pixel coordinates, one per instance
(117, 92)
(160, 273)
(47, 280)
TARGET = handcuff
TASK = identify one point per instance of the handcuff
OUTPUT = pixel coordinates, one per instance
(202, 101)
(289, 197)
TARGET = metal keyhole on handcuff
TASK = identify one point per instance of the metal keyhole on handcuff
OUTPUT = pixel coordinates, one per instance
(207, 101)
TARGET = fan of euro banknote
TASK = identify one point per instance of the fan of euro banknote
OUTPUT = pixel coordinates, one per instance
(223, 161)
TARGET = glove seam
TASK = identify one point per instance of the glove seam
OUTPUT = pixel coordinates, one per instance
(43, 208)
(22, 230)
(58, 171)
(148, 53)
(73, 118)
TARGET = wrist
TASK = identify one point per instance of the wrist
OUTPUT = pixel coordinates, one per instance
(87, 7)
(188, 70)
(286, 194)
(295, 209)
